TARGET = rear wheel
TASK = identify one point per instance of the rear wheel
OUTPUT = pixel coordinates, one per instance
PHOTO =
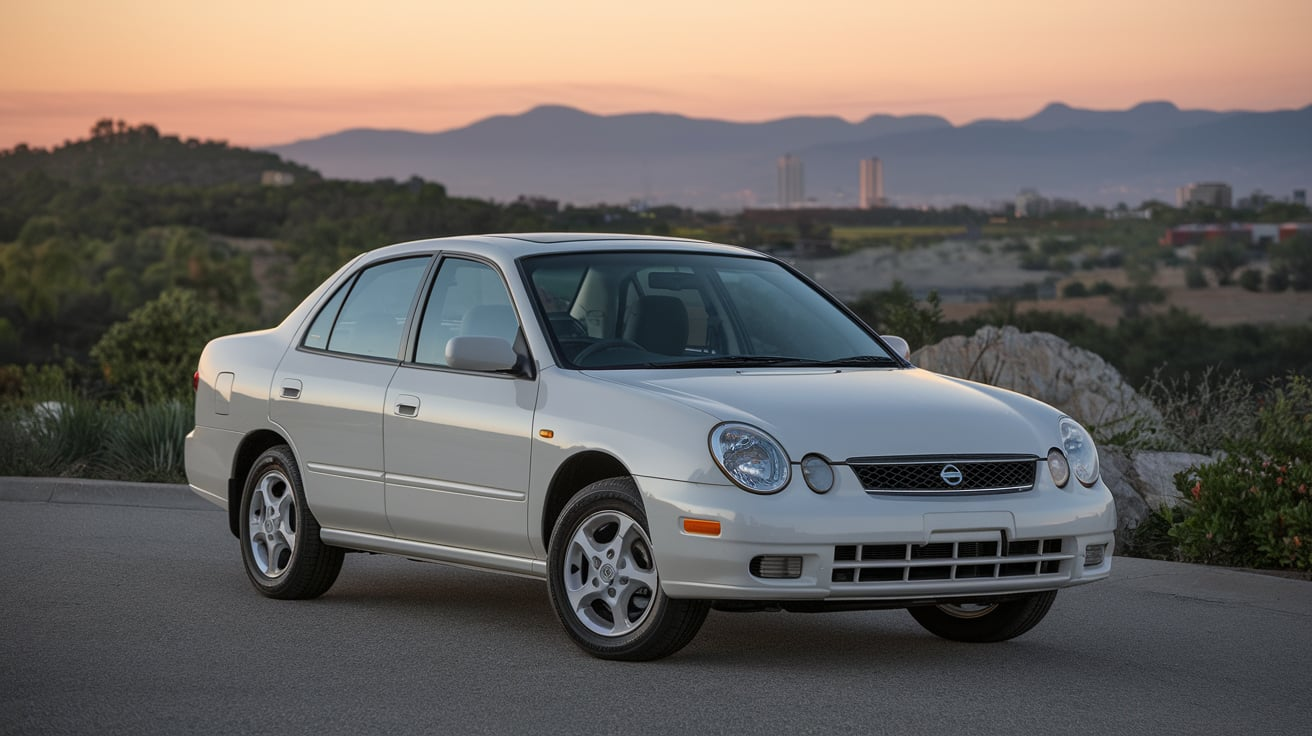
(985, 622)
(280, 543)
(603, 580)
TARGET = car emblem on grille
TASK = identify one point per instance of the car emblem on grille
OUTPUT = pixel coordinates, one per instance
(951, 475)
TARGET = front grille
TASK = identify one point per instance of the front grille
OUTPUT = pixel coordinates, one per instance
(935, 474)
(898, 563)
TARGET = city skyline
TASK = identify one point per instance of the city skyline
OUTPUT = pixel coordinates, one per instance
(256, 75)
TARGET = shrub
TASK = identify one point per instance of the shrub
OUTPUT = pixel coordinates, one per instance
(1074, 290)
(152, 354)
(146, 443)
(1293, 256)
(1252, 507)
(1250, 279)
(1193, 277)
(1204, 414)
(1102, 288)
(57, 437)
(1222, 256)
(1277, 280)
(79, 438)
(1035, 261)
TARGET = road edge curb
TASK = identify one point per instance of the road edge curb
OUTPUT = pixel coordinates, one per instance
(90, 491)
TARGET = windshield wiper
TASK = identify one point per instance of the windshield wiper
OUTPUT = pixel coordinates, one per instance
(721, 361)
(860, 360)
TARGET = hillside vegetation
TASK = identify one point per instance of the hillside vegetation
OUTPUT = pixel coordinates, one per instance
(96, 229)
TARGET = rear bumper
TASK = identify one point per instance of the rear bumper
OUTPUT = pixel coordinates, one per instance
(856, 546)
(209, 453)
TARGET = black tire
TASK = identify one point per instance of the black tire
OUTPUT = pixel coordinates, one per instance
(612, 615)
(996, 622)
(298, 566)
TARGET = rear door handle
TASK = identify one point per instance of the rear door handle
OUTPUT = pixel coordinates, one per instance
(291, 388)
(407, 406)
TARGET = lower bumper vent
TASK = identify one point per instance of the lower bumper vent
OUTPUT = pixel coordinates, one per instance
(894, 563)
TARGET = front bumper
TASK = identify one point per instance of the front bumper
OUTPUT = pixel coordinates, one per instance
(858, 546)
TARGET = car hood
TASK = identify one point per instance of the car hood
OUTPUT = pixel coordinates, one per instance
(850, 413)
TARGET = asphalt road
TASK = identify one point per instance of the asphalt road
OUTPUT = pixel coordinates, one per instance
(121, 618)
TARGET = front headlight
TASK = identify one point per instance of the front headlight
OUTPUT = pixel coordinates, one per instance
(750, 458)
(1080, 451)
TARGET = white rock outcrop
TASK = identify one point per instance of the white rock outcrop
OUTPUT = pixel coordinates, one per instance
(1042, 365)
(1143, 481)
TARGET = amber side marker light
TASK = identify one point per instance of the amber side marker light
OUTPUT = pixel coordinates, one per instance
(702, 526)
(546, 434)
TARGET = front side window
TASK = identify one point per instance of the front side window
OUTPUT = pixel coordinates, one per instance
(658, 309)
(367, 316)
(467, 298)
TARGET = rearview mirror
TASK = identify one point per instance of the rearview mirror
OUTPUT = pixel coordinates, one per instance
(671, 280)
(899, 345)
(480, 353)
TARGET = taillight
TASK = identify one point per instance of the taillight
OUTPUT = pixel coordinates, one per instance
(195, 381)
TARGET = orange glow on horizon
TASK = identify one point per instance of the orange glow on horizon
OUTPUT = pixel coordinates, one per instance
(260, 74)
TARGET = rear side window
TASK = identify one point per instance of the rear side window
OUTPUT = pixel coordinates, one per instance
(367, 316)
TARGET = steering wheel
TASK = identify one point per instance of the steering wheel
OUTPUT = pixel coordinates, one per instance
(610, 343)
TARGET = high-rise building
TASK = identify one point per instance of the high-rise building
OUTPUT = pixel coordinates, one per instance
(872, 183)
(1300, 197)
(1207, 193)
(791, 192)
(1029, 203)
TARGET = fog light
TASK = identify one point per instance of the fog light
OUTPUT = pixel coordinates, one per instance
(1060, 469)
(776, 566)
(818, 474)
(1093, 554)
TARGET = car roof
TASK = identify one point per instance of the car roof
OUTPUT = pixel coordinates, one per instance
(507, 247)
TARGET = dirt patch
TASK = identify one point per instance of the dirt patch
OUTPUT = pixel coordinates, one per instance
(1221, 306)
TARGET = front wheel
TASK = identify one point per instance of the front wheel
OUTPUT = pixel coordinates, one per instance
(603, 580)
(280, 543)
(985, 622)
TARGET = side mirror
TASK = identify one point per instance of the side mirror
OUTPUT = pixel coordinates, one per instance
(899, 345)
(480, 353)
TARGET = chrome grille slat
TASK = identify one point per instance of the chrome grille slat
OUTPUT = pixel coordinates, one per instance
(1023, 559)
(924, 473)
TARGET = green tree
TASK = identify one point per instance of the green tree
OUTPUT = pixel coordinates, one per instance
(1293, 256)
(152, 355)
(896, 312)
(1222, 256)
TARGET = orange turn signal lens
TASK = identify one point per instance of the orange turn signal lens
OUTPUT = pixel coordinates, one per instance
(702, 526)
(546, 434)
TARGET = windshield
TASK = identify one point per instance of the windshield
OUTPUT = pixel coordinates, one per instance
(681, 310)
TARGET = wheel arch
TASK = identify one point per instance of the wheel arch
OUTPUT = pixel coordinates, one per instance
(573, 475)
(252, 446)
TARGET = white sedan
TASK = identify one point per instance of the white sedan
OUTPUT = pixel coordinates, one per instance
(654, 426)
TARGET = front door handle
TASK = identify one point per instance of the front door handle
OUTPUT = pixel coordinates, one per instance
(407, 406)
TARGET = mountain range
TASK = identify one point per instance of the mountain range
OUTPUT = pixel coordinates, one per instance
(1097, 157)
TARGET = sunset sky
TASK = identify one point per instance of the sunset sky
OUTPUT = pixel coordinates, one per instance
(260, 73)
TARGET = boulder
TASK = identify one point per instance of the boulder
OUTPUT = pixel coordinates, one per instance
(1143, 481)
(1076, 381)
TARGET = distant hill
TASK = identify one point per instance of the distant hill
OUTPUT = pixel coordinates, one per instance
(1097, 157)
(122, 154)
